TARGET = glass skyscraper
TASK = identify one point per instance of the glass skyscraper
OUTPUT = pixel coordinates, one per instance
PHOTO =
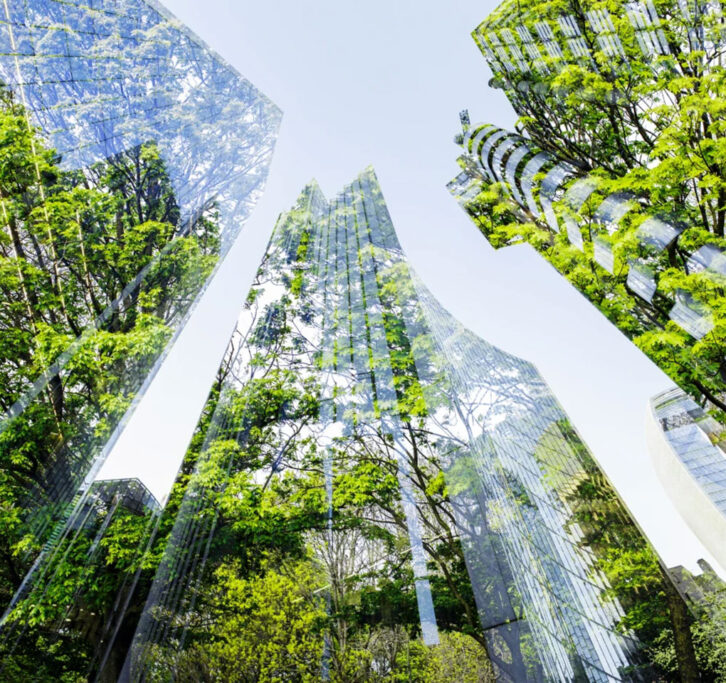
(100, 78)
(593, 169)
(372, 493)
(422, 433)
(687, 450)
(608, 180)
(146, 153)
(559, 198)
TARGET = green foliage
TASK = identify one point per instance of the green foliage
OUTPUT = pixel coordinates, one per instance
(271, 627)
(636, 580)
(696, 365)
(274, 585)
(652, 127)
(260, 629)
(94, 274)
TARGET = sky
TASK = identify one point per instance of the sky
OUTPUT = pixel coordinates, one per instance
(381, 82)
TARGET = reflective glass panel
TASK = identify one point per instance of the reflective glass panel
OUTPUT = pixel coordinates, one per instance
(501, 150)
(486, 151)
(474, 132)
(578, 192)
(641, 280)
(164, 150)
(476, 147)
(657, 232)
(551, 183)
(603, 253)
(690, 433)
(574, 234)
(692, 316)
(533, 167)
(612, 209)
(510, 171)
(708, 258)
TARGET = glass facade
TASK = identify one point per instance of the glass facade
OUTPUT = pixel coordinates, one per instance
(518, 518)
(687, 449)
(403, 387)
(549, 192)
(99, 78)
(560, 38)
(598, 90)
(629, 247)
(691, 434)
(333, 251)
(598, 185)
(149, 153)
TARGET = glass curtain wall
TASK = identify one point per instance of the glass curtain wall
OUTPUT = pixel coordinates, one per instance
(132, 155)
(608, 94)
(412, 491)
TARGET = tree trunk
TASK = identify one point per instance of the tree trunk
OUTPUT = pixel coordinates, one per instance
(681, 623)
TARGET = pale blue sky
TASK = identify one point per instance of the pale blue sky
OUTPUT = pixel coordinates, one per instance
(381, 82)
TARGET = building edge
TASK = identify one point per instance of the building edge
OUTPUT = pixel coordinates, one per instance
(691, 501)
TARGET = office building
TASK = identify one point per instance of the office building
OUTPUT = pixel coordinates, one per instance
(687, 450)
(605, 173)
(606, 178)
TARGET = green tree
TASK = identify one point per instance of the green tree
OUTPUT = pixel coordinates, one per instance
(649, 125)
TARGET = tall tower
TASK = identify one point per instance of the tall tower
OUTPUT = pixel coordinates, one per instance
(609, 181)
(606, 173)
(132, 155)
(360, 439)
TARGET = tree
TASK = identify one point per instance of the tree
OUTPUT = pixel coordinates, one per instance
(96, 268)
(642, 122)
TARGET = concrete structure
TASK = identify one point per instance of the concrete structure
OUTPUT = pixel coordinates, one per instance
(683, 443)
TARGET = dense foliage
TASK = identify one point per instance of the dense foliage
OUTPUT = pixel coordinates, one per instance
(96, 268)
(647, 123)
(284, 551)
(303, 577)
(637, 579)
(282, 595)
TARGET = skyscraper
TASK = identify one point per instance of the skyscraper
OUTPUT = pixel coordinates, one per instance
(373, 492)
(607, 179)
(405, 480)
(132, 154)
(606, 174)
(517, 192)
(685, 444)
